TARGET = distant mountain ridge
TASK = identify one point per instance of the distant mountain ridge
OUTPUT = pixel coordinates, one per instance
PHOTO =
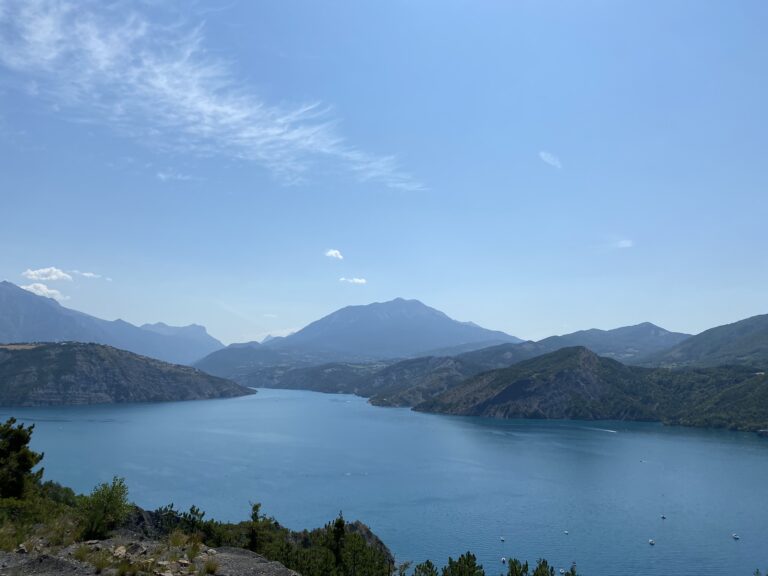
(627, 343)
(78, 373)
(575, 383)
(374, 332)
(411, 381)
(743, 343)
(193, 332)
(26, 317)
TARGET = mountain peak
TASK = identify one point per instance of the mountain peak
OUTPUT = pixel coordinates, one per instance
(627, 343)
(27, 317)
(391, 329)
(741, 343)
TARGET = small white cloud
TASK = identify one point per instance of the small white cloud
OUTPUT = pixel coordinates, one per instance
(269, 315)
(551, 159)
(353, 280)
(43, 290)
(50, 273)
(85, 274)
(333, 253)
(625, 244)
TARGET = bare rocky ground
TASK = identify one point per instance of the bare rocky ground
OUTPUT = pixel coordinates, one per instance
(130, 555)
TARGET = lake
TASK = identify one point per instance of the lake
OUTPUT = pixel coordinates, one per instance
(433, 486)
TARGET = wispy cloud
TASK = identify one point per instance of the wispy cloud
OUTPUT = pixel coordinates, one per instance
(626, 243)
(91, 275)
(353, 280)
(109, 63)
(48, 274)
(551, 159)
(43, 290)
(172, 175)
(333, 253)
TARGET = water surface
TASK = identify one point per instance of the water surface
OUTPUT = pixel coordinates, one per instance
(433, 486)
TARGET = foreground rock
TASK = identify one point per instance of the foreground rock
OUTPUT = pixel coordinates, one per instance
(136, 556)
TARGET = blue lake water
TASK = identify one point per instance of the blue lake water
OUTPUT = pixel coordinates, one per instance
(433, 486)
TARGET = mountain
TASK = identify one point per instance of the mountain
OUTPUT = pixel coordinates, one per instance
(410, 382)
(469, 347)
(568, 383)
(388, 383)
(741, 343)
(626, 344)
(26, 317)
(575, 383)
(241, 362)
(77, 373)
(333, 378)
(355, 334)
(395, 329)
(193, 333)
(413, 381)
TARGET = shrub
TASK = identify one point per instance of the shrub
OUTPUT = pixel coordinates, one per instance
(193, 551)
(177, 539)
(81, 553)
(100, 561)
(210, 566)
(104, 509)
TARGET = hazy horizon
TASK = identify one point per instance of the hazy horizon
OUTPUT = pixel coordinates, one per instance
(292, 331)
(536, 168)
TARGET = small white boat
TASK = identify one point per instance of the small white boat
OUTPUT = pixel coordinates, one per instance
(652, 542)
(501, 538)
(663, 517)
(562, 571)
(565, 532)
(735, 536)
(503, 560)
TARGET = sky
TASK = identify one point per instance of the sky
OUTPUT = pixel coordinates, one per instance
(536, 167)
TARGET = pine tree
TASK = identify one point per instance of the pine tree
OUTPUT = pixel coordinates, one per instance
(425, 569)
(17, 460)
(466, 565)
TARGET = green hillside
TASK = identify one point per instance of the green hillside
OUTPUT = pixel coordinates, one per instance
(576, 383)
(76, 373)
(742, 343)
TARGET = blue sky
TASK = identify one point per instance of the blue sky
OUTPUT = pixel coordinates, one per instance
(536, 167)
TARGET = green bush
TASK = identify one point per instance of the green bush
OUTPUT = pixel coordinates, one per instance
(104, 509)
